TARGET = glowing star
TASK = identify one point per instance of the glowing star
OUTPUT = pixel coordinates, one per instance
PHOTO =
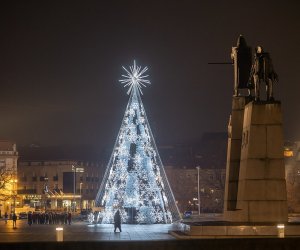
(135, 78)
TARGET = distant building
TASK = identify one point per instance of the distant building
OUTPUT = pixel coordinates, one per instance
(292, 171)
(181, 160)
(8, 165)
(210, 155)
(59, 184)
(184, 184)
(53, 178)
(47, 182)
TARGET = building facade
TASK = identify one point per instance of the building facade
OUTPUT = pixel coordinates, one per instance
(8, 168)
(292, 172)
(184, 184)
(59, 184)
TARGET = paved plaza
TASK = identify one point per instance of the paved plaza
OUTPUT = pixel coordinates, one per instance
(80, 236)
(82, 231)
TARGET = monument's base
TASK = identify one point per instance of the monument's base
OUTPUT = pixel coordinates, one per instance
(233, 230)
(255, 189)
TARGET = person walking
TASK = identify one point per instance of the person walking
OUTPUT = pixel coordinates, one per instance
(69, 218)
(6, 217)
(29, 217)
(14, 219)
(117, 221)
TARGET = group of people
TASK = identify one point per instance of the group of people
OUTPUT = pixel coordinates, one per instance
(56, 218)
(49, 218)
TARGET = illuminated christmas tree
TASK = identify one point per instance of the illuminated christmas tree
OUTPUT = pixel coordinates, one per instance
(135, 181)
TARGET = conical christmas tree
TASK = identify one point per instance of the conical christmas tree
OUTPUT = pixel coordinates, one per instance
(135, 181)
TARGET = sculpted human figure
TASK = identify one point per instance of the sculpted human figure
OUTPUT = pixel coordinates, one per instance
(263, 71)
(242, 61)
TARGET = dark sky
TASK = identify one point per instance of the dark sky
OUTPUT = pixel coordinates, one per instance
(61, 61)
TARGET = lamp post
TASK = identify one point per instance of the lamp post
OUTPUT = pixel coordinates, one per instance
(14, 191)
(74, 186)
(76, 169)
(80, 189)
(45, 191)
(198, 170)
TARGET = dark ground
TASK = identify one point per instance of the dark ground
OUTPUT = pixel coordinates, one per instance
(207, 244)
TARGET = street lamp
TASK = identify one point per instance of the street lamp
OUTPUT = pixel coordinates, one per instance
(198, 170)
(80, 189)
(74, 186)
(75, 169)
(45, 191)
(14, 191)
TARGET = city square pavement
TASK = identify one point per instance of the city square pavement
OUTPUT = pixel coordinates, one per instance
(83, 231)
(82, 236)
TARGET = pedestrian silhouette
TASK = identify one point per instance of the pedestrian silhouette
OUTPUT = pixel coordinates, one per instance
(117, 221)
(6, 217)
(69, 218)
(14, 218)
(29, 218)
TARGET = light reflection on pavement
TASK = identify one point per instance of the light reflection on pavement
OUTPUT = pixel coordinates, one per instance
(82, 231)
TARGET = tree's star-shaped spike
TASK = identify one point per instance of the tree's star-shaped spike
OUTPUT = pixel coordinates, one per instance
(135, 78)
(143, 71)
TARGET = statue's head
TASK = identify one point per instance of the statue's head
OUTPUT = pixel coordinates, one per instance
(241, 42)
(259, 50)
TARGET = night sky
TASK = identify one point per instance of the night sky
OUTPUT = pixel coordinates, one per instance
(61, 61)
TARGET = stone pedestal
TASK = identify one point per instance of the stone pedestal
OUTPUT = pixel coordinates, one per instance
(261, 186)
(235, 131)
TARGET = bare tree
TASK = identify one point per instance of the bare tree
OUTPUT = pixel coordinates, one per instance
(5, 182)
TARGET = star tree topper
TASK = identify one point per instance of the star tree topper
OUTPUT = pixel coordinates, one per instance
(135, 78)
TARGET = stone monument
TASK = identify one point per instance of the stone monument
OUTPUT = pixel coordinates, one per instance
(242, 60)
(255, 188)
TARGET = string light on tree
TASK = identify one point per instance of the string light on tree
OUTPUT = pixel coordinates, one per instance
(135, 181)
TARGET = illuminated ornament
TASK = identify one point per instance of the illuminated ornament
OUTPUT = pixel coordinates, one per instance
(135, 182)
(135, 79)
(91, 218)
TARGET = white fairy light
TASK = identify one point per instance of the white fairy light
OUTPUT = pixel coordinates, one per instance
(156, 200)
(138, 159)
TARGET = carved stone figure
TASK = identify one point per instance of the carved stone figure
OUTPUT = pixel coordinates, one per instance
(242, 61)
(262, 71)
